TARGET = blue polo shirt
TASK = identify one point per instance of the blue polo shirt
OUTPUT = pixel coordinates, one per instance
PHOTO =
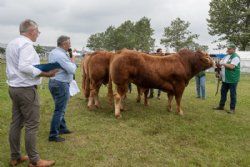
(60, 56)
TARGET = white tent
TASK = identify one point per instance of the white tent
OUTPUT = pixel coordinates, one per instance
(244, 60)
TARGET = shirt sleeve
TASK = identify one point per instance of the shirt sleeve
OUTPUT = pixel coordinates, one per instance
(26, 60)
(235, 61)
(67, 65)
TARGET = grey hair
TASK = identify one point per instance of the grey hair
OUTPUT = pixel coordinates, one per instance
(26, 24)
(62, 39)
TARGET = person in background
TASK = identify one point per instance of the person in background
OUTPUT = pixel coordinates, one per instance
(23, 78)
(130, 87)
(200, 79)
(59, 87)
(230, 74)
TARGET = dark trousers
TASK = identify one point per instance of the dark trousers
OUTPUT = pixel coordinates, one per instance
(224, 89)
(130, 87)
(60, 93)
(25, 113)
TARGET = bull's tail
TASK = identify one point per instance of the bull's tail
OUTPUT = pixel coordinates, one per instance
(110, 90)
(85, 78)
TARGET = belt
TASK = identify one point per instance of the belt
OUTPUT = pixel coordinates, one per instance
(34, 86)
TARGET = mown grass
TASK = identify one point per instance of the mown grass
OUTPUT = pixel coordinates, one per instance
(145, 136)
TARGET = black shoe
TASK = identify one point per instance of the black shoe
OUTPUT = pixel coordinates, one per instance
(57, 139)
(231, 111)
(218, 108)
(65, 132)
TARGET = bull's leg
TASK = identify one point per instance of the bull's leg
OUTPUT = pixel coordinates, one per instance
(91, 100)
(121, 91)
(146, 97)
(122, 102)
(91, 96)
(117, 105)
(138, 99)
(170, 98)
(178, 96)
(96, 96)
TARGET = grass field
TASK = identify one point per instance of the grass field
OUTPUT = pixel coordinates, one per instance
(145, 136)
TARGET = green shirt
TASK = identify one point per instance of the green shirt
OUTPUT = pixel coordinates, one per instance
(232, 75)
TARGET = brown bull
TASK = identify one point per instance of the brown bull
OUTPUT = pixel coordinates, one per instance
(95, 70)
(96, 73)
(168, 73)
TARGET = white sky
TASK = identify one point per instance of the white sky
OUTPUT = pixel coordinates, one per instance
(79, 19)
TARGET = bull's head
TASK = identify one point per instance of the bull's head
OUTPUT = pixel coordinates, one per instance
(205, 60)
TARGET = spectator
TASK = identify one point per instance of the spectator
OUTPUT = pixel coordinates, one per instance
(200, 79)
(59, 87)
(23, 78)
(159, 51)
(230, 74)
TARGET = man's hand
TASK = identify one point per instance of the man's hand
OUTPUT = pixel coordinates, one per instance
(50, 73)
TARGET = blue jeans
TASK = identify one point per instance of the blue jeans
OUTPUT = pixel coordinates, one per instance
(224, 89)
(200, 86)
(60, 93)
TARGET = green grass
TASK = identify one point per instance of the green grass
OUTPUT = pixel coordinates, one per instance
(145, 136)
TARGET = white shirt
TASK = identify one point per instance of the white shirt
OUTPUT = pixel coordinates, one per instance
(235, 61)
(20, 58)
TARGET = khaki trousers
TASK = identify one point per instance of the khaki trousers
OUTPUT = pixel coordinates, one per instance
(25, 113)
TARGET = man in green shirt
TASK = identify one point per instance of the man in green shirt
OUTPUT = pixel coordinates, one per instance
(230, 74)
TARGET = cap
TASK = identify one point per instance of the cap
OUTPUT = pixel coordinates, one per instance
(231, 46)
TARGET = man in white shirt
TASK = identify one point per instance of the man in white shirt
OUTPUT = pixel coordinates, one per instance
(23, 78)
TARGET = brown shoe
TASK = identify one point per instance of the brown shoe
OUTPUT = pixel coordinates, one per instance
(18, 161)
(42, 163)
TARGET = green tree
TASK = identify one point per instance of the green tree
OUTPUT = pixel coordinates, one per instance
(128, 35)
(39, 49)
(177, 35)
(110, 39)
(143, 35)
(125, 35)
(2, 50)
(230, 20)
(96, 41)
(195, 46)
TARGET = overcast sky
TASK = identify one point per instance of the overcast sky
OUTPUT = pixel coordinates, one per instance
(79, 19)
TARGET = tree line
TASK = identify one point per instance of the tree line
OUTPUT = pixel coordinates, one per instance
(229, 20)
(139, 36)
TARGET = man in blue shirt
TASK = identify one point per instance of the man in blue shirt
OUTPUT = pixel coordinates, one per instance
(59, 87)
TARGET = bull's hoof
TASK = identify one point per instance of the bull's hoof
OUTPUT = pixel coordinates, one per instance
(92, 107)
(146, 105)
(180, 113)
(98, 106)
(123, 109)
(118, 116)
(170, 110)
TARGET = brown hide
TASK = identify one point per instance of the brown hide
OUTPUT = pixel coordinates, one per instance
(97, 74)
(169, 73)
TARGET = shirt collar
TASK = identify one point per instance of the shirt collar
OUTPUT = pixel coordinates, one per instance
(61, 49)
(26, 38)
